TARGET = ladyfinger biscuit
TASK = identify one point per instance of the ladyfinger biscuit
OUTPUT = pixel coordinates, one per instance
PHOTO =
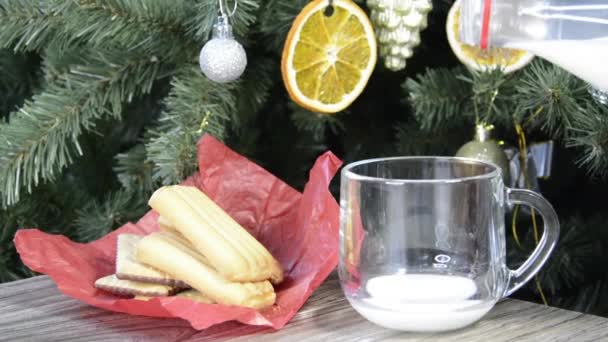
(232, 231)
(189, 294)
(196, 296)
(167, 253)
(132, 288)
(127, 268)
(230, 249)
(166, 225)
(168, 202)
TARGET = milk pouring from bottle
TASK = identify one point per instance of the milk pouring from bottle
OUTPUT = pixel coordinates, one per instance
(572, 34)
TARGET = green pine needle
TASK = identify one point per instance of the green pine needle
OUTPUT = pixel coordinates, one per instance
(412, 141)
(201, 23)
(11, 220)
(573, 256)
(152, 27)
(277, 18)
(588, 298)
(314, 123)
(492, 96)
(134, 171)
(97, 219)
(589, 132)
(256, 83)
(27, 25)
(547, 97)
(42, 137)
(195, 106)
(50, 209)
(18, 78)
(439, 97)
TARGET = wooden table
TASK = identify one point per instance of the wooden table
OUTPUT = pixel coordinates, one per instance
(34, 310)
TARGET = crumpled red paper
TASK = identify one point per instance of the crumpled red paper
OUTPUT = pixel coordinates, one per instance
(300, 230)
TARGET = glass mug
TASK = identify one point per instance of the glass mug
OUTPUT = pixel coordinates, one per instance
(422, 241)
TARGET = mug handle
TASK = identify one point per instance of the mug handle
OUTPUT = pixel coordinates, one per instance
(547, 242)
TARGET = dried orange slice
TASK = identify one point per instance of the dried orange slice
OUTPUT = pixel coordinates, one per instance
(483, 59)
(329, 55)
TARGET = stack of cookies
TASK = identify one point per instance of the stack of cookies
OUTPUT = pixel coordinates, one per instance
(200, 253)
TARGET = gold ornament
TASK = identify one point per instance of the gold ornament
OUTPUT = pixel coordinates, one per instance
(484, 148)
(398, 24)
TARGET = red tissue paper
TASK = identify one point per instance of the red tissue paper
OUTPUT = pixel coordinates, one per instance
(300, 230)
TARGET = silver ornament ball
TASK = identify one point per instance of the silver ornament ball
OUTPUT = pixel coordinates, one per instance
(223, 59)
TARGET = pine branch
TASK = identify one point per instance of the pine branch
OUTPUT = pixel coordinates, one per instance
(254, 87)
(252, 93)
(195, 106)
(573, 256)
(492, 96)
(283, 149)
(589, 298)
(18, 78)
(27, 25)
(412, 141)
(50, 209)
(276, 20)
(569, 272)
(439, 97)
(133, 170)
(314, 123)
(11, 220)
(155, 27)
(57, 61)
(589, 132)
(573, 274)
(97, 219)
(42, 137)
(548, 97)
(206, 12)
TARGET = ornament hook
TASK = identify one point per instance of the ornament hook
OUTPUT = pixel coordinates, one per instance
(222, 28)
(228, 13)
(329, 10)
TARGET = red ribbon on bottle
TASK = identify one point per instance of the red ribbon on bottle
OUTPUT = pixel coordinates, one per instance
(485, 24)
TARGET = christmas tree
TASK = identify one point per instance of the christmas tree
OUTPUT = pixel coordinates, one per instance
(103, 101)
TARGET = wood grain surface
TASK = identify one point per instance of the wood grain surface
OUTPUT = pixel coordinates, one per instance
(34, 310)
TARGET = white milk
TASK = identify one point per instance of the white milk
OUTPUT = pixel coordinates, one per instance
(572, 34)
(423, 303)
(587, 59)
